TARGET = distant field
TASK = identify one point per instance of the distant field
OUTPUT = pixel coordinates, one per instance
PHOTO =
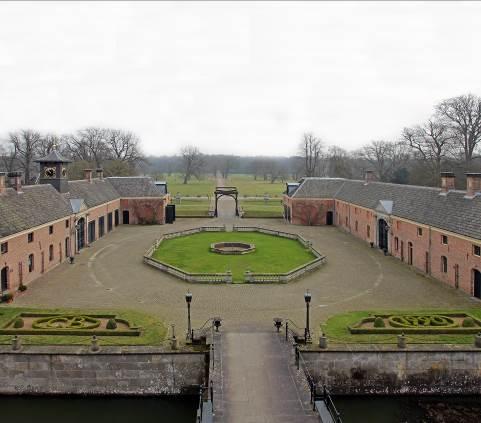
(261, 208)
(191, 207)
(205, 187)
(248, 187)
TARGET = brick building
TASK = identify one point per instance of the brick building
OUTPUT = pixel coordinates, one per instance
(435, 230)
(43, 225)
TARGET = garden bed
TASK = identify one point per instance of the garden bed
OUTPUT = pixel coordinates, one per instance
(418, 323)
(337, 328)
(132, 327)
(69, 324)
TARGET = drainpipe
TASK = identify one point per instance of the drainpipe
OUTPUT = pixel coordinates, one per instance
(429, 251)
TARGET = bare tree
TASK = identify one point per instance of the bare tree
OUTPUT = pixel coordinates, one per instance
(432, 143)
(339, 162)
(192, 162)
(463, 115)
(50, 141)
(387, 158)
(25, 143)
(8, 157)
(89, 144)
(311, 150)
(124, 146)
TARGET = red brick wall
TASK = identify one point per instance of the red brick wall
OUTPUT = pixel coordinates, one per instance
(362, 223)
(309, 211)
(145, 210)
(103, 210)
(19, 249)
(406, 233)
(458, 251)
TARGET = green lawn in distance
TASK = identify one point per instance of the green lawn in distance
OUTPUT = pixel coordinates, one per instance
(248, 187)
(203, 187)
(337, 332)
(191, 207)
(260, 208)
(272, 255)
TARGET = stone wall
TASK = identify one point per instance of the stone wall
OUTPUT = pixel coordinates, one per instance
(113, 370)
(393, 372)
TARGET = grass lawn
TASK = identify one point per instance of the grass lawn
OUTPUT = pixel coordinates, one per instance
(204, 187)
(337, 332)
(272, 255)
(191, 207)
(260, 208)
(154, 332)
(249, 187)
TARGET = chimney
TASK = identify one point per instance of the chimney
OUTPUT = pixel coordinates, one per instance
(88, 175)
(100, 173)
(447, 181)
(473, 184)
(16, 181)
(369, 176)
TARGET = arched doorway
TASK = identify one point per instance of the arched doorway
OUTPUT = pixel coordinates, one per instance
(329, 218)
(382, 234)
(477, 283)
(80, 233)
(4, 278)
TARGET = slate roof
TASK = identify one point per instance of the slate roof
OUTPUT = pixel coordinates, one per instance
(36, 205)
(53, 157)
(135, 186)
(40, 204)
(452, 212)
(99, 191)
(318, 187)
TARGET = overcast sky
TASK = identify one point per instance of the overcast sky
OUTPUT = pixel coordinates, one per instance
(243, 78)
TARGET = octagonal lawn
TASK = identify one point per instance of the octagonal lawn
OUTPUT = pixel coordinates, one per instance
(272, 254)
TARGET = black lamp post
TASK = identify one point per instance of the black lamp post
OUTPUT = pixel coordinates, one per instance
(188, 300)
(307, 299)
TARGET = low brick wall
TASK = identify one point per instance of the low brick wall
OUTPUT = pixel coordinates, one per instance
(424, 370)
(113, 370)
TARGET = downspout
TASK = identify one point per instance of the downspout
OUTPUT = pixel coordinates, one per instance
(429, 251)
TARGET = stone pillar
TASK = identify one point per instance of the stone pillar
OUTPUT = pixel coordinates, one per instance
(323, 341)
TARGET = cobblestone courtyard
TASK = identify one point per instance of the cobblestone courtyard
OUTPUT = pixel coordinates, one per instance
(111, 274)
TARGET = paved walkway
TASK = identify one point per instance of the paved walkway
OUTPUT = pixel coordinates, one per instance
(111, 274)
(257, 381)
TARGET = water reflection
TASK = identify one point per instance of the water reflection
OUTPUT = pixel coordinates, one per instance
(26, 409)
(425, 409)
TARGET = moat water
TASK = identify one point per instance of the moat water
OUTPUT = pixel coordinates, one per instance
(410, 409)
(26, 409)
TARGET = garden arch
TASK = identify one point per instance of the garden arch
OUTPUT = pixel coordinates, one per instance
(227, 192)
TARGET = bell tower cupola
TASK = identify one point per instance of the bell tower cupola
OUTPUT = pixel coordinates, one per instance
(54, 170)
